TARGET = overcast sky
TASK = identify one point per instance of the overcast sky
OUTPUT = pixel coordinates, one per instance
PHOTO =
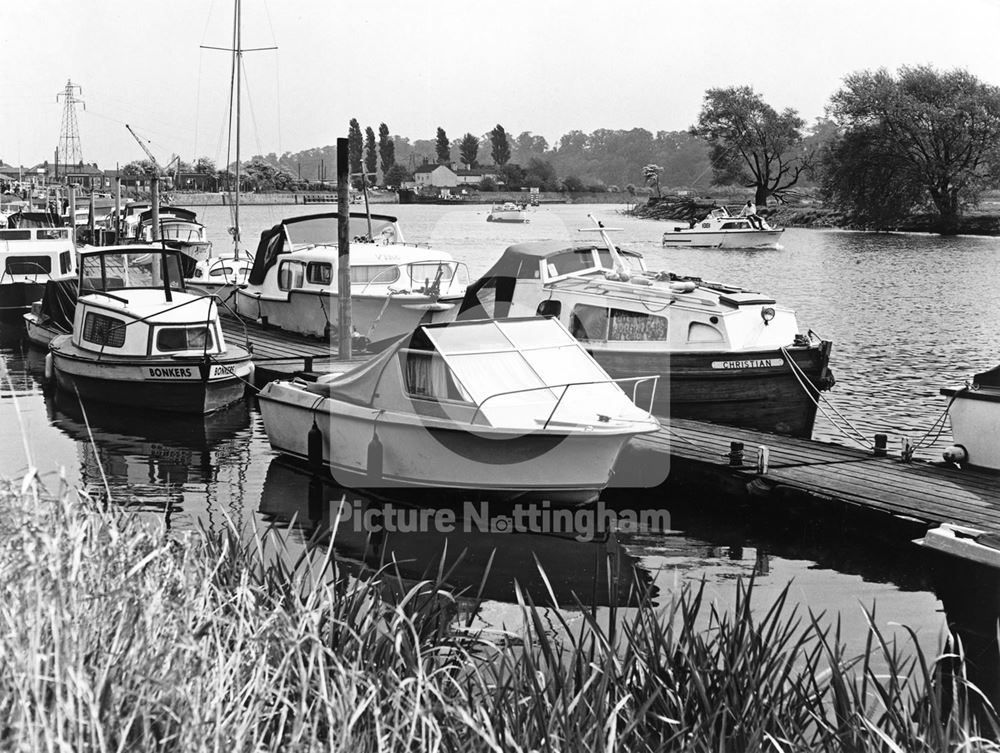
(546, 66)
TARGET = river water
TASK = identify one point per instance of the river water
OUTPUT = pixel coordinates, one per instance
(908, 314)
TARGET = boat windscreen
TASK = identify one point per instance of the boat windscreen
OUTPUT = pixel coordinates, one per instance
(323, 230)
(111, 271)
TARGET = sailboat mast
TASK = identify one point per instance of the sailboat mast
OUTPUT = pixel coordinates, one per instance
(238, 52)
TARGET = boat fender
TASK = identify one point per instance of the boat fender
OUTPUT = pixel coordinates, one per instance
(956, 454)
(49, 368)
(683, 287)
(251, 373)
(375, 460)
(314, 445)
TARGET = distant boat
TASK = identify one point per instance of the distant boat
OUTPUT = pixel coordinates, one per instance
(141, 341)
(35, 247)
(394, 285)
(974, 412)
(514, 408)
(507, 212)
(720, 229)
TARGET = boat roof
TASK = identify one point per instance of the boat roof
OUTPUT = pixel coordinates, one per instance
(168, 213)
(132, 248)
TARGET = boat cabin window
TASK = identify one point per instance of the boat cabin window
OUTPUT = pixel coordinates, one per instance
(549, 308)
(220, 271)
(28, 265)
(430, 271)
(15, 235)
(738, 225)
(138, 269)
(568, 262)
(319, 272)
(65, 261)
(600, 323)
(290, 275)
(106, 331)
(426, 375)
(381, 273)
(632, 263)
(704, 333)
(169, 339)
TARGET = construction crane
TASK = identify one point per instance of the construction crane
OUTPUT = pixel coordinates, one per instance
(165, 171)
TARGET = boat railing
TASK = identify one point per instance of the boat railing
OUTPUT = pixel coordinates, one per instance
(635, 381)
(435, 288)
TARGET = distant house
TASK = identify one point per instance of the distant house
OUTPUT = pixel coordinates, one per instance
(192, 181)
(447, 176)
(82, 174)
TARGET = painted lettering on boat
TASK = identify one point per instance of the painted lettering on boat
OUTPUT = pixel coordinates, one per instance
(754, 363)
(222, 370)
(171, 372)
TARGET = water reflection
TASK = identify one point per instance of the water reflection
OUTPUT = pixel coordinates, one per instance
(422, 541)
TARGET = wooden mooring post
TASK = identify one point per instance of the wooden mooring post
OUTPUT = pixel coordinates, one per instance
(344, 327)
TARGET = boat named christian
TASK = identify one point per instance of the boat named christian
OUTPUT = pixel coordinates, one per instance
(514, 408)
(720, 229)
(726, 354)
(394, 285)
(140, 340)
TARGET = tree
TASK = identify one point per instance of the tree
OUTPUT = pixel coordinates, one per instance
(751, 143)
(442, 147)
(500, 146)
(512, 176)
(204, 165)
(541, 174)
(652, 175)
(355, 146)
(396, 174)
(930, 134)
(260, 175)
(386, 149)
(572, 184)
(469, 150)
(139, 167)
(527, 145)
(371, 156)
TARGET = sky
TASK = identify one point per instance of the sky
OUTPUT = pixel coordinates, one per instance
(545, 66)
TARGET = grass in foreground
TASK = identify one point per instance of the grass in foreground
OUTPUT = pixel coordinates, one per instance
(114, 637)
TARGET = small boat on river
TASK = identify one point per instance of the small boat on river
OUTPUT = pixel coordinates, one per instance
(720, 229)
(507, 212)
(974, 413)
(140, 340)
(35, 247)
(514, 407)
(727, 354)
(394, 285)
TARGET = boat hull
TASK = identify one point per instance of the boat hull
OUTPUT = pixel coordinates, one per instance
(566, 468)
(40, 331)
(756, 390)
(727, 239)
(317, 314)
(16, 299)
(174, 385)
(975, 424)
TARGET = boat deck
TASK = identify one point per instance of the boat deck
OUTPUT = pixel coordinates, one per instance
(277, 353)
(916, 494)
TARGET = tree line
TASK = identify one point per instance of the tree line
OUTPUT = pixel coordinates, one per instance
(891, 145)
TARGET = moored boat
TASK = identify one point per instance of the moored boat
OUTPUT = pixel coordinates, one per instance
(34, 248)
(720, 229)
(514, 407)
(726, 354)
(507, 212)
(140, 340)
(394, 285)
(974, 413)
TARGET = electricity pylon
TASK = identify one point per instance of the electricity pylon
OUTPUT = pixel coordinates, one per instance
(69, 152)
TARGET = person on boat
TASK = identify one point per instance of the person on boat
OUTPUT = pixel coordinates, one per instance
(750, 212)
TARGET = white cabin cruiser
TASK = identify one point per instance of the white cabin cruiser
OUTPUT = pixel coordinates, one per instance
(140, 340)
(394, 285)
(974, 413)
(720, 229)
(514, 407)
(34, 248)
(726, 354)
(507, 212)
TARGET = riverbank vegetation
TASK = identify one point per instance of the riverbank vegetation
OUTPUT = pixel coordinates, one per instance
(117, 636)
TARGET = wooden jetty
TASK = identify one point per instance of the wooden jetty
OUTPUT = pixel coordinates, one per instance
(818, 476)
(277, 353)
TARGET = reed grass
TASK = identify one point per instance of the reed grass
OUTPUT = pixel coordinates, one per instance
(116, 637)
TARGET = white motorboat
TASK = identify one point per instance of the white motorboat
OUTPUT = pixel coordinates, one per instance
(965, 543)
(178, 228)
(394, 285)
(140, 340)
(513, 407)
(728, 355)
(507, 212)
(34, 249)
(720, 229)
(974, 412)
